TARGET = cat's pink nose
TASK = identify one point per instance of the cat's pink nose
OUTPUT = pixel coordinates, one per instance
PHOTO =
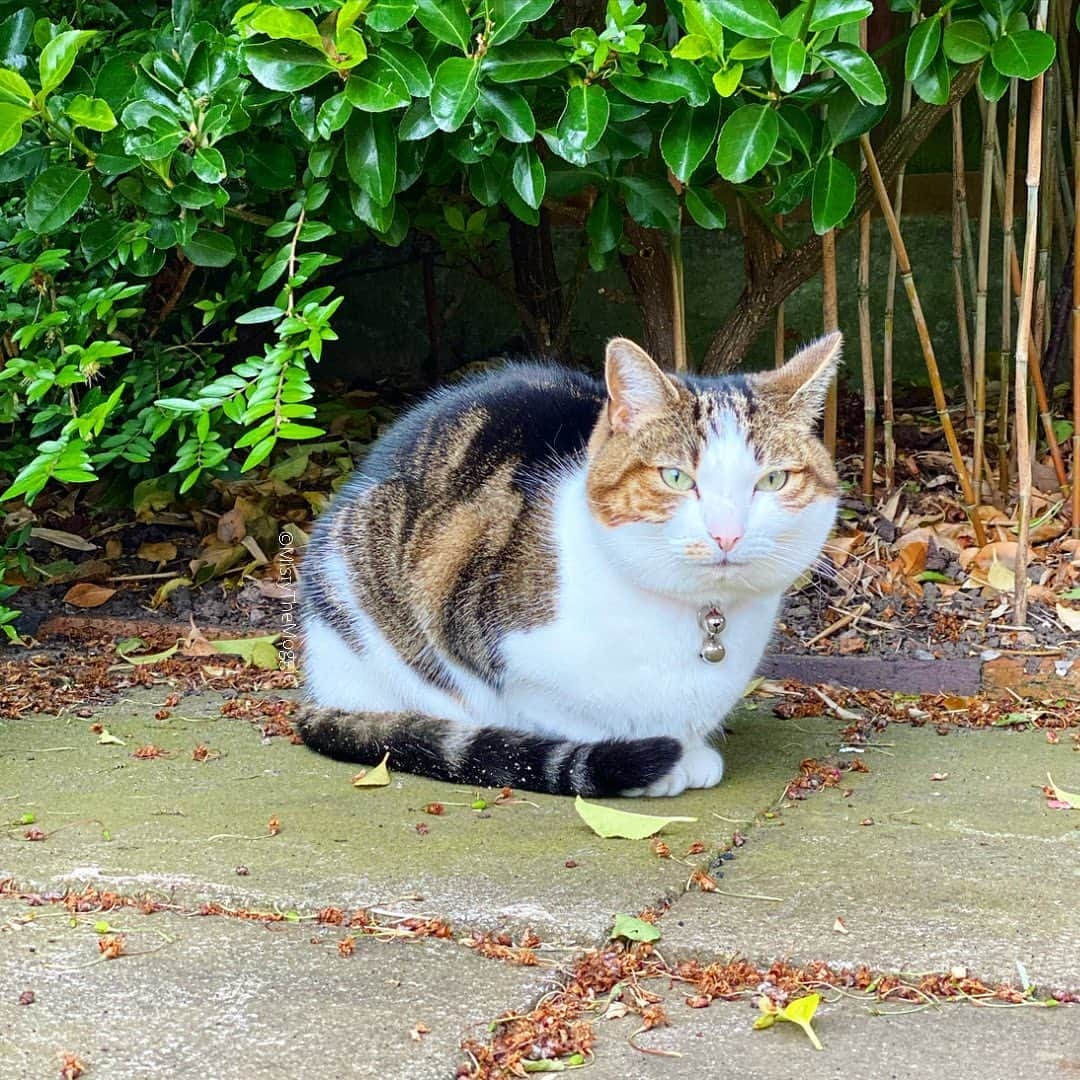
(727, 541)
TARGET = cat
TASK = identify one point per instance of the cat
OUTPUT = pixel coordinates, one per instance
(520, 584)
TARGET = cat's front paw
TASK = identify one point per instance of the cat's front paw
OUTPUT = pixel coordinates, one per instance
(699, 767)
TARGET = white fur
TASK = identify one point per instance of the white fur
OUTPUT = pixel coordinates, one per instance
(620, 660)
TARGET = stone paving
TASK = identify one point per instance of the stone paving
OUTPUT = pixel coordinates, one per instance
(973, 871)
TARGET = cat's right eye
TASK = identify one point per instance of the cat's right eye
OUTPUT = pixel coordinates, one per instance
(677, 479)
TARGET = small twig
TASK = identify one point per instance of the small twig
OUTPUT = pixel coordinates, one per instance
(840, 623)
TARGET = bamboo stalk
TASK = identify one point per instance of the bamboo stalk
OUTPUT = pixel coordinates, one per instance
(1066, 70)
(678, 302)
(831, 320)
(1008, 256)
(890, 315)
(982, 280)
(1076, 329)
(866, 350)
(932, 369)
(778, 323)
(1027, 296)
(959, 211)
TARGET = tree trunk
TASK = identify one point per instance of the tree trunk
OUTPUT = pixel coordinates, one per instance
(773, 277)
(536, 281)
(648, 269)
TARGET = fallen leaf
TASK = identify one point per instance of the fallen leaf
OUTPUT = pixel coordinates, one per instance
(1070, 617)
(1067, 797)
(839, 926)
(63, 539)
(418, 1031)
(231, 527)
(1001, 577)
(109, 739)
(161, 552)
(800, 1011)
(621, 824)
(634, 929)
(150, 658)
(377, 777)
(940, 776)
(88, 595)
(256, 651)
(165, 590)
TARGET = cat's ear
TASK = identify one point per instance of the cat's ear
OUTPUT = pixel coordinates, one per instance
(805, 379)
(638, 391)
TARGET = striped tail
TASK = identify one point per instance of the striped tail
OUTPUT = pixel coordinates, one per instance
(486, 757)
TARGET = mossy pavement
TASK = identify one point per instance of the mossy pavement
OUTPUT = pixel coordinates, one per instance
(973, 870)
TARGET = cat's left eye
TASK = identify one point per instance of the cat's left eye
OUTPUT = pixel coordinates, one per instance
(677, 479)
(773, 480)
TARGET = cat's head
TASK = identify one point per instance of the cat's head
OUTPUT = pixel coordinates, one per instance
(713, 486)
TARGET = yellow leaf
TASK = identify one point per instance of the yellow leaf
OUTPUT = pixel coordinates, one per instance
(377, 777)
(150, 658)
(1064, 796)
(256, 651)
(1001, 577)
(157, 552)
(800, 1011)
(620, 823)
(1069, 616)
(108, 738)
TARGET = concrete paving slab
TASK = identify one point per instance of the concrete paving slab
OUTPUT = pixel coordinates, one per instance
(952, 1041)
(232, 1000)
(972, 870)
(176, 825)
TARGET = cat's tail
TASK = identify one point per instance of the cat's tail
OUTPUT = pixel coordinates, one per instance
(486, 757)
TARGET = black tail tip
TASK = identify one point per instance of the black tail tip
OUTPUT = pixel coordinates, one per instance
(620, 765)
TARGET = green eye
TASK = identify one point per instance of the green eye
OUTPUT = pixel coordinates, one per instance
(773, 480)
(677, 479)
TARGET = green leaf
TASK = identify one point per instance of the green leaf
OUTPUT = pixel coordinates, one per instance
(922, 47)
(727, 80)
(379, 776)
(409, 65)
(206, 248)
(585, 117)
(651, 202)
(333, 114)
(54, 196)
(746, 142)
(14, 88)
(687, 138)
(371, 154)
(855, 67)
(286, 65)
(92, 113)
(509, 16)
(603, 226)
(454, 92)
(634, 929)
(692, 47)
(280, 22)
(800, 1012)
(992, 84)
(447, 20)
(58, 57)
(519, 61)
(209, 165)
(798, 129)
(375, 86)
(848, 117)
(621, 824)
(702, 206)
(751, 18)
(260, 315)
(935, 576)
(658, 85)
(751, 49)
(966, 41)
(832, 13)
(788, 59)
(509, 111)
(833, 194)
(1023, 55)
(528, 176)
(11, 125)
(933, 84)
(390, 15)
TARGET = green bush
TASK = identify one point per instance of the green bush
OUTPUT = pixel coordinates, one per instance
(168, 176)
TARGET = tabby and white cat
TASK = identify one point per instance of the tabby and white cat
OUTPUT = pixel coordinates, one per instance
(532, 581)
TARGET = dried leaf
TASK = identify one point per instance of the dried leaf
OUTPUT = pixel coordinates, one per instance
(88, 595)
(231, 527)
(1070, 617)
(150, 658)
(621, 824)
(1001, 577)
(377, 777)
(161, 552)
(63, 539)
(634, 929)
(109, 739)
(839, 926)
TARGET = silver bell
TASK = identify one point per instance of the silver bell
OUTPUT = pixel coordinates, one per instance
(713, 652)
(712, 621)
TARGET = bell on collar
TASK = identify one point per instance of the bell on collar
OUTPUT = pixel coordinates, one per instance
(712, 651)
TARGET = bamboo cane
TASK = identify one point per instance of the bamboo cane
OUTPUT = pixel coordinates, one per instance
(1076, 328)
(866, 350)
(778, 324)
(1066, 70)
(890, 315)
(982, 279)
(678, 302)
(1008, 256)
(1027, 296)
(924, 338)
(831, 320)
(959, 211)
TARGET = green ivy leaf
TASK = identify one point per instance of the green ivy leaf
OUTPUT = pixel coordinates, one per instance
(788, 59)
(832, 13)
(371, 154)
(746, 142)
(922, 47)
(751, 18)
(584, 118)
(519, 61)
(508, 111)
(855, 67)
(55, 196)
(703, 207)
(376, 87)
(528, 177)
(207, 248)
(447, 20)
(286, 65)
(687, 138)
(833, 194)
(454, 92)
(58, 57)
(966, 41)
(1023, 55)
